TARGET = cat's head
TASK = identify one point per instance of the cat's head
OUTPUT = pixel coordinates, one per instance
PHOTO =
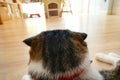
(56, 51)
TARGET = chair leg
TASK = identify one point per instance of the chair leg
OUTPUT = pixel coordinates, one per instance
(1, 20)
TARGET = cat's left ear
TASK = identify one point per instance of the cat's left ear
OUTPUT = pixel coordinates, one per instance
(28, 41)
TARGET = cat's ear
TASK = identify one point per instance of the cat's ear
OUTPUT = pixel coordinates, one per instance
(83, 35)
(28, 41)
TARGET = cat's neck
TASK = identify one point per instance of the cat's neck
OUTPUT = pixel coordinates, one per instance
(70, 77)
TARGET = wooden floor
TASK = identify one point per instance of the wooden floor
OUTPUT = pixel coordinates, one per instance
(103, 36)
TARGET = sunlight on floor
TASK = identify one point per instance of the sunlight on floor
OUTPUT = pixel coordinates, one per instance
(35, 25)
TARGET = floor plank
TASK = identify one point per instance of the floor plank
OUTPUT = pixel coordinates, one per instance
(103, 36)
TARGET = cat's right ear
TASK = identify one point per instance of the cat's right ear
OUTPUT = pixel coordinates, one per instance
(28, 41)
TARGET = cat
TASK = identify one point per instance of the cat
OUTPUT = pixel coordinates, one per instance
(63, 55)
(113, 74)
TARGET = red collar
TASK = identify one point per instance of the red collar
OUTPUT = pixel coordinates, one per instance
(77, 74)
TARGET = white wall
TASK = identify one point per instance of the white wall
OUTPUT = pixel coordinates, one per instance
(116, 7)
(77, 6)
(90, 6)
(33, 8)
(98, 6)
